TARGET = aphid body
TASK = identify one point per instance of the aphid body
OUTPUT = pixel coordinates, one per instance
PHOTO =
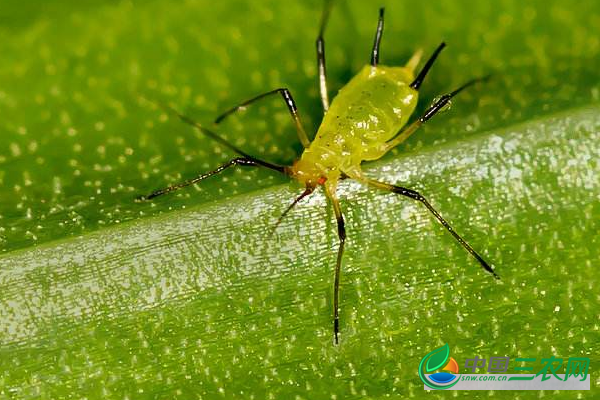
(366, 113)
(368, 117)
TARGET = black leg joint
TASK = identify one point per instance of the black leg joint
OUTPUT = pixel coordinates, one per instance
(413, 194)
(336, 329)
(244, 162)
(341, 229)
(320, 45)
(377, 42)
(441, 103)
(287, 96)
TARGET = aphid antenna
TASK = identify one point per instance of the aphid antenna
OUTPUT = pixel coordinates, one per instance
(416, 84)
(216, 137)
(246, 160)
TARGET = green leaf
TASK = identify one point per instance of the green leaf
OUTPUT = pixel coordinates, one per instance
(437, 358)
(189, 296)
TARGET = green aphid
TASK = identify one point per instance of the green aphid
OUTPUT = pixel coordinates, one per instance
(366, 119)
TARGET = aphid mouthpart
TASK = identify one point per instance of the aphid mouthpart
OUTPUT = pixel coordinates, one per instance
(368, 118)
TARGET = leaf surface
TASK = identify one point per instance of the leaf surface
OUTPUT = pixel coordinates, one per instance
(189, 297)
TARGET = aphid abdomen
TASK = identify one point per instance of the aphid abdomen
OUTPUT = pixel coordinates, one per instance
(367, 112)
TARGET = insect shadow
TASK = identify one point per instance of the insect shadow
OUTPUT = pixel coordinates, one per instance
(366, 119)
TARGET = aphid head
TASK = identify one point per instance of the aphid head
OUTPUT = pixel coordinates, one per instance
(307, 172)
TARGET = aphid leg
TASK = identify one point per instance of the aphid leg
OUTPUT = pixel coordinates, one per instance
(290, 103)
(302, 195)
(321, 55)
(378, 34)
(241, 161)
(431, 111)
(336, 283)
(416, 84)
(417, 196)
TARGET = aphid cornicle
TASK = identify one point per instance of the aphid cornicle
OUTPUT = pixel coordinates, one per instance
(366, 119)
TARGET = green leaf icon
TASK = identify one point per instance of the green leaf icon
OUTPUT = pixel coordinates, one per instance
(437, 358)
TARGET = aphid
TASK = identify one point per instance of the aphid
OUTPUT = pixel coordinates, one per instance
(366, 119)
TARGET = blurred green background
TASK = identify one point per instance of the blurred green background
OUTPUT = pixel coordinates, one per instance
(188, 297)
